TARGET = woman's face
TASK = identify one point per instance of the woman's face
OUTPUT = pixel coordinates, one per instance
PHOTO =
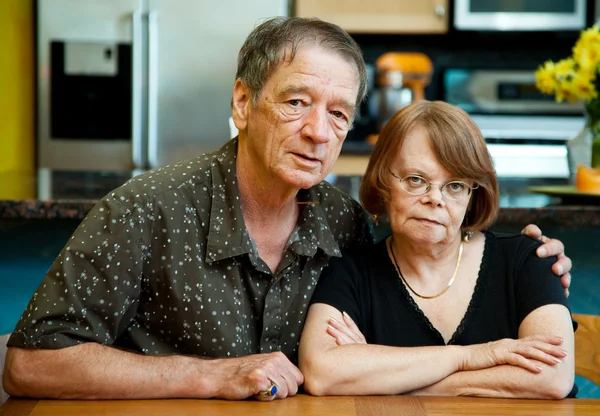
(430, 218)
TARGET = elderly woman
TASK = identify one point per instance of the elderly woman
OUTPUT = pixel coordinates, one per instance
(443, 306)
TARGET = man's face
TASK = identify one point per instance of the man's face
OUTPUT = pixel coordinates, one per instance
(296, 130)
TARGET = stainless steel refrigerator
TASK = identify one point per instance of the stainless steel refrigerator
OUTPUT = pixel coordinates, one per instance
(129, 85)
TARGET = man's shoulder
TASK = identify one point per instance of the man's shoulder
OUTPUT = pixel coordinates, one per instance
(331, 195)
(174, 180)
(345, 217)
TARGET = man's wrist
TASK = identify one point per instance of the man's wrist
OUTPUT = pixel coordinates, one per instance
(199, 381)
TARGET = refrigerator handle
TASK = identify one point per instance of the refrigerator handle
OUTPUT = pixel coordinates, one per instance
(152, 89)
(137, 140)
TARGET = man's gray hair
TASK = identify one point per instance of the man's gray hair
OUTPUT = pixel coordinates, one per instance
(280, 38)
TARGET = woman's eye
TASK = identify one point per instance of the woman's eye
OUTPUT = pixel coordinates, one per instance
(456, 186)
(416, 180)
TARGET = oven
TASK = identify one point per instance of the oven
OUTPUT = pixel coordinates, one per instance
(526, 131)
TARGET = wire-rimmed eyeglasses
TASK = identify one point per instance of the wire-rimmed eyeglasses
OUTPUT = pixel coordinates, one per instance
(418, 185)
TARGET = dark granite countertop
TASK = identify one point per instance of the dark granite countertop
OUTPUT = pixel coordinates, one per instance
(556, 215)
(71, 195)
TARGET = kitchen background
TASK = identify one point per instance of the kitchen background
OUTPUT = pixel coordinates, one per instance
(70, 68)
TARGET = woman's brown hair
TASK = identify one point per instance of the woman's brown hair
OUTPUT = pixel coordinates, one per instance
(459, 146)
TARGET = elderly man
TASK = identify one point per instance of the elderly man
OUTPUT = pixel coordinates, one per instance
(193, 280)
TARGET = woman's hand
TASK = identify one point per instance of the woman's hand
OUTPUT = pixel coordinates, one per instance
(518, 352)
(345, 332)
(552, 247)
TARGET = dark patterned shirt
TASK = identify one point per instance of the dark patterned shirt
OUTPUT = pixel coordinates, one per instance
(165, 264)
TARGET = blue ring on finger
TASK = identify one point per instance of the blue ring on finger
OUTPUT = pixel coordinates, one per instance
(271, 391)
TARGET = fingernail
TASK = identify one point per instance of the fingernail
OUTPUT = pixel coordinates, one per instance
(556, 360)
(332, 319)
(330, 328)
(539, 368)
(345, 314)
(560, 270)
(542, 252)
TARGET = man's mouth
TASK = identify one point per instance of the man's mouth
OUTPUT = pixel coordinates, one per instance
(307, 159)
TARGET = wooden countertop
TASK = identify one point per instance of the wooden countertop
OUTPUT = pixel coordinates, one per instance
(308, 406)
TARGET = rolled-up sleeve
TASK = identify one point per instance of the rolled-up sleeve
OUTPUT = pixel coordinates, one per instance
(91, 291)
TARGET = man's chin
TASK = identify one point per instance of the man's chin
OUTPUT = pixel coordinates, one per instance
(303, 180)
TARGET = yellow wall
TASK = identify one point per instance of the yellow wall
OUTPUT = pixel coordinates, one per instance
(16, 100)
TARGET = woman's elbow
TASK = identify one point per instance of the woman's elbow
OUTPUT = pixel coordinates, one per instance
(560, 387)
(316, 380)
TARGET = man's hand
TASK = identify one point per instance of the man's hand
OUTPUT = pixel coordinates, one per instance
(240, 378)
(552, 247)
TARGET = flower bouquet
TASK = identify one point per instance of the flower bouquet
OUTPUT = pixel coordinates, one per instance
(576, 78)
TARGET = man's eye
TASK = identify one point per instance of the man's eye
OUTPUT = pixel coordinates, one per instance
(338, 114)
(294, 103)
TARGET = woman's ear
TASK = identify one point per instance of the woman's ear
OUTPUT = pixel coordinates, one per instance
(242, 100)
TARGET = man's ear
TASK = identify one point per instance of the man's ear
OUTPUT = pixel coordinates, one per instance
(241, 102)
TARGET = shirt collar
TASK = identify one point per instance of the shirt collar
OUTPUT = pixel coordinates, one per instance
(227, 234)
(313, 228)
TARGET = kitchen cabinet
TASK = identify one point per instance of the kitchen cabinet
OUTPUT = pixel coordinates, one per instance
(379, 16)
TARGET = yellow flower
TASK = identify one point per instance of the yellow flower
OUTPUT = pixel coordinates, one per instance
(574, 78)
(583, 87)
(587, 49)
(564, 92)
(565, 68)
(546, 78)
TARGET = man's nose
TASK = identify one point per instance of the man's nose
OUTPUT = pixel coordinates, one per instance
(316, 125)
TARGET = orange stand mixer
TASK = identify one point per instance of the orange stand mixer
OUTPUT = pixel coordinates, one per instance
(401, 79)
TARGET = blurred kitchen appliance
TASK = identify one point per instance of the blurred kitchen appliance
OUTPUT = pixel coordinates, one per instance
(526, 131)
(525, 15)
(401, 78)
(125, 85)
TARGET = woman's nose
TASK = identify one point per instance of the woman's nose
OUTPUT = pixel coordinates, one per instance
(434, 194)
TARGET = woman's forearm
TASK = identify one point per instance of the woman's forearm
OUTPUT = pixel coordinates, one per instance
(553, 382)
(360, 369)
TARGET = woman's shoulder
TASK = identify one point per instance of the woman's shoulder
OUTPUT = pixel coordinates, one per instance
(361, 257)
(512, 242)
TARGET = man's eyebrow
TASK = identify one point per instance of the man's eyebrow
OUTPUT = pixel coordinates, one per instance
(292, 89)
(350, 107)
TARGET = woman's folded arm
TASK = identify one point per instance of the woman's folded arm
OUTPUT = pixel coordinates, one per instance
(553, 382)
(347, 365)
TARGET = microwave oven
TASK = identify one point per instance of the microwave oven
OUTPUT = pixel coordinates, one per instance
(524, 15)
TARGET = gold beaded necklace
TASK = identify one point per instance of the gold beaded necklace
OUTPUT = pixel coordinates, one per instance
(460, 250)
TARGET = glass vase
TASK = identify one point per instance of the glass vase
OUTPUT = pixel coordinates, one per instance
(584, 148)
